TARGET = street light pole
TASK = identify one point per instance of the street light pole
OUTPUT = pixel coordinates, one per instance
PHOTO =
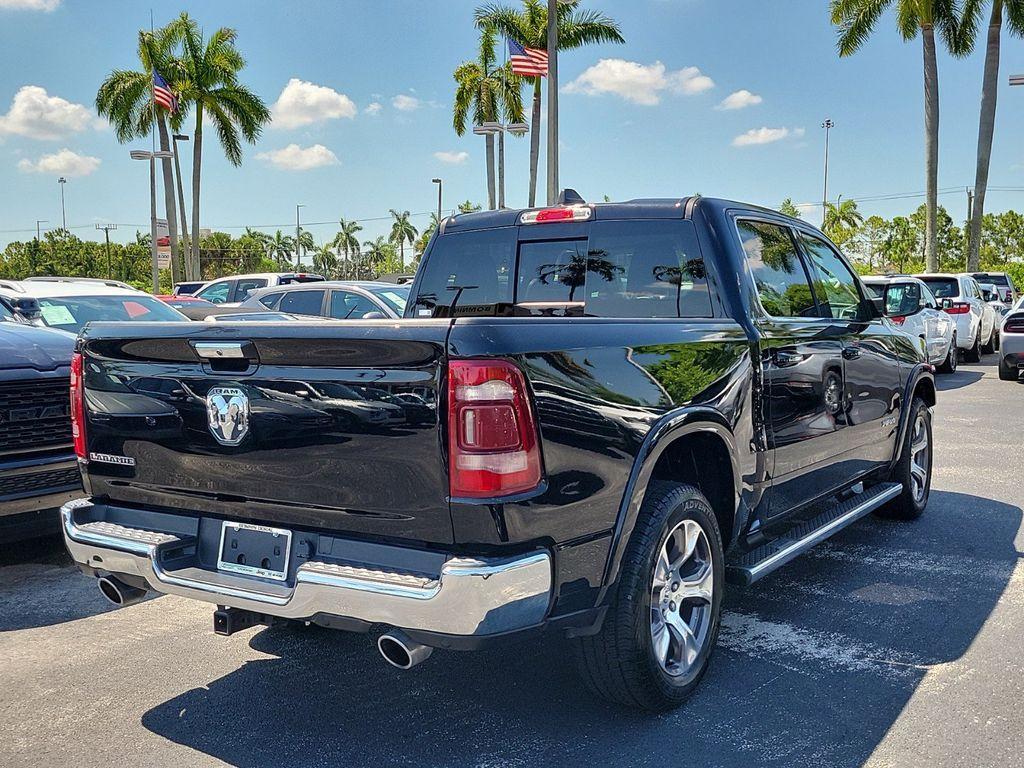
(38, 222)
(439, 185)
(828, 125)
(298, 235)
(552, 101)
(63, 216)
(106, 236)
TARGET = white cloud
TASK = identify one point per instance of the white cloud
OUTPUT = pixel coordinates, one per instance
(454, 158)
(639, 83)
(303, 103)
(373, 109)
(405, 103)
(756, 136)
(29, 5)
(63, 163)
(37, 115)
(739, 99)
(296, 158)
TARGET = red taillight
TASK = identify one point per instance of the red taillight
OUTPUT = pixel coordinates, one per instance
(547, 215)
(77, 406)
(492, 436)
(898, 319)
(959, 308)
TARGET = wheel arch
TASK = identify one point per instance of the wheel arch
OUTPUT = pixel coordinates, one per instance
(920, 383)
(663, 457)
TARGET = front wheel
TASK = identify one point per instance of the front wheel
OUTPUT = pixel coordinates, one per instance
(952, 358)
(914, 469)
(662, 622)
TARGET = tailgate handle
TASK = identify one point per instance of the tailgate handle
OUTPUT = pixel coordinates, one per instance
(220, 350)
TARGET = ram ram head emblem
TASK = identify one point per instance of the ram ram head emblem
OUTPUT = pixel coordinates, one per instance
(227, 411)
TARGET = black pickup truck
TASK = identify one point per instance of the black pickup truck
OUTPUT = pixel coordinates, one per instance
(591, 419)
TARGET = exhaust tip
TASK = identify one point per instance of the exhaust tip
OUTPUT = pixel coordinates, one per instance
(119, 593)
(401, 651)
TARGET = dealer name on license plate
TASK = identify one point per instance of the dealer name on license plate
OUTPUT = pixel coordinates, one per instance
(254, 550)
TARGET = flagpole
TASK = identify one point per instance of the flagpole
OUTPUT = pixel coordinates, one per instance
(152, 167)
(552, 102)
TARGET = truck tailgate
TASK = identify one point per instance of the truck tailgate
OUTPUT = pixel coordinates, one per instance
(322, 425)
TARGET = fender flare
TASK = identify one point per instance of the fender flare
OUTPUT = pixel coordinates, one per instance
(920, 372)
(667, 430)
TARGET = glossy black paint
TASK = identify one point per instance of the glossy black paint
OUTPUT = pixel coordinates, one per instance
(804, 408)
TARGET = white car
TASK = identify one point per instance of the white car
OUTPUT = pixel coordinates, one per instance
(910, 305)
(232, 291)
(960, 295)
(1011, 356)
(68, 303)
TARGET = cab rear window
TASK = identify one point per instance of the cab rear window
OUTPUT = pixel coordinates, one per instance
(628, 269)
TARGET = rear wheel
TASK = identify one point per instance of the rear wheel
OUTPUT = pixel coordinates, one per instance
(1008, 372)
(992, 344)
(952, 358)
(914, 469)
(973, 355)
(662, 623)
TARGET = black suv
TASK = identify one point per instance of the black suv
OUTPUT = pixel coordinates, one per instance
(38, 471)
(621, 408)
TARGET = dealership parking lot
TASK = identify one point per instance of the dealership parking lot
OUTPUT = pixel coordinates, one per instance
(893, 644)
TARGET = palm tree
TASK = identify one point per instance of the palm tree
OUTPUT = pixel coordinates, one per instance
(303, 245)
(856, 20)
(377, 253)
(788, 208)
(325, 261)
(841, 215)
(402, 231)
(280, 248)
(125, 98)
(972, 16)
(468, 206)
(491, 93)
(528, 26)
(206, 77)
(347, 243)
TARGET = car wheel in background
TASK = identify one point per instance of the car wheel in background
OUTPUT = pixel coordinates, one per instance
(949, 365)
(1008, 372)
(914, 469)
(662, 623)
(973, 355)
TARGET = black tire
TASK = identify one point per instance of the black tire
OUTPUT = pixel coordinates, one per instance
(619, 663)
(996, 341)
(910, 504)
(990, 347)
(949, 365)
(1008, 372)
(973, 355)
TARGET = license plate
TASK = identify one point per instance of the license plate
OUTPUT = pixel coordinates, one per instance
(255, 550)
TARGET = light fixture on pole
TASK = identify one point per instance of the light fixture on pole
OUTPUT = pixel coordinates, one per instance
(298, 236)
(152, 157)
(828, 125)
(440, 184)
(38, 222)
(106, 236)
(181, 194)
(63, 216)
(492, 128)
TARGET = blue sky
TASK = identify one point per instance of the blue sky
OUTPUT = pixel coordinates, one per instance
(640, 119)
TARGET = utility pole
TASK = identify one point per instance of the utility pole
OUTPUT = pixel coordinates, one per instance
(552, 102)
(298, 235)
(106, 236)
(828, 125)
(63, 216)
(970, 217)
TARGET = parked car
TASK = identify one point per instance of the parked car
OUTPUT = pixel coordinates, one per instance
(38, 468)
(1008, 292)
(626, 405)
(187, 289)
(232, 291)
(260, 316)
(338, 300)
(976, 330)
(909, 303)
(68, 305)
(1011, 356)
(184, 301)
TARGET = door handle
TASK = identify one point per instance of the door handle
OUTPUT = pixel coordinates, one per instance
(851, 353)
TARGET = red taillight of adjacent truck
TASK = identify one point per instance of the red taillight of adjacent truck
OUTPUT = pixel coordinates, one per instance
(77, 405)
(493, 448)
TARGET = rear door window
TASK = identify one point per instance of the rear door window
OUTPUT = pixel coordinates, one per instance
(302, 302)
(270, 300)
(835, 285)
(346, 305)
(778, 271)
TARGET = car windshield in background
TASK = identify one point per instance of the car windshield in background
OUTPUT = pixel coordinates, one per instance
(395, 297)
(943, 287)
(71, 313)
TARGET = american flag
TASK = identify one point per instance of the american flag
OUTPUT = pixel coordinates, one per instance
(530, 62)
(162, 93)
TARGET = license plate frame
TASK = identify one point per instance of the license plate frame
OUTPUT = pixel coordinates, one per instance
(267, 537)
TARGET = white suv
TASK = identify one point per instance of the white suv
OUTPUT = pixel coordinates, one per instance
(910, 305)
(232, 291)
(960, 294)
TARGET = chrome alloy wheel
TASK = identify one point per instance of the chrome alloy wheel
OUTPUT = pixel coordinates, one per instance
(681, 597)
(920, 457)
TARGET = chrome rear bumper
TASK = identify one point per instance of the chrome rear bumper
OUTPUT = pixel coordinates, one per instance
(470, 596)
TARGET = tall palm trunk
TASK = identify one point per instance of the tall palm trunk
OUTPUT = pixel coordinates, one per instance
(186, 258)
(490, 171)
(986, 126)
(197, 161)
(535, 141)
(169, 205)
(931, 143)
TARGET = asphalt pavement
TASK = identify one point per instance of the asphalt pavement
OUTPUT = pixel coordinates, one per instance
(893, 644)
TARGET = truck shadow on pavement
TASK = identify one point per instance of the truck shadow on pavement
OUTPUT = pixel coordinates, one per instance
(814, 665)
(962, 378)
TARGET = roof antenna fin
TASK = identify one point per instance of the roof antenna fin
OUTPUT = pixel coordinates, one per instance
(570, 196)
